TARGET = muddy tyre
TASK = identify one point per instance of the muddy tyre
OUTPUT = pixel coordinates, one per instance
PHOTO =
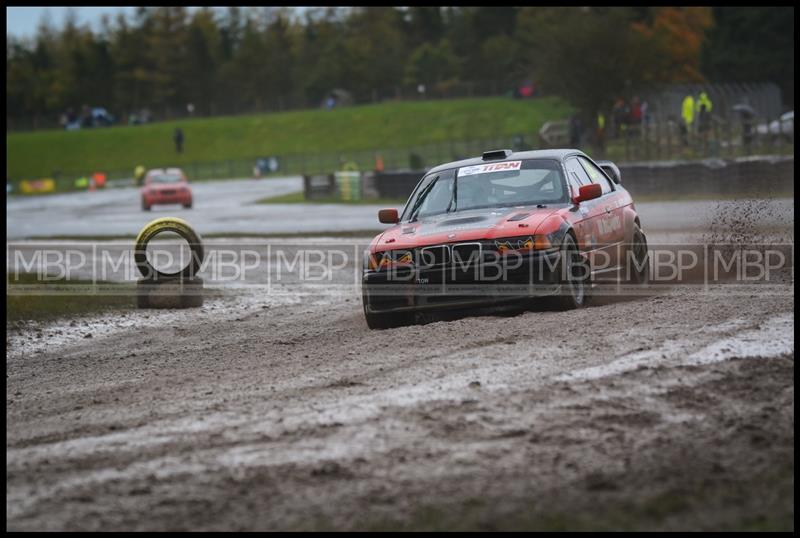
(574, 275)
(388, 320)
(168, 224)
(169, 293)
(639, 258)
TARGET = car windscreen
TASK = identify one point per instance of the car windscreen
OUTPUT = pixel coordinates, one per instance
(165, 178)
(501, 184)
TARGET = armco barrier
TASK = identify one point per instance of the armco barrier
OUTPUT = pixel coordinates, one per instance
(397, 183)
(320, 186)
(744, 175)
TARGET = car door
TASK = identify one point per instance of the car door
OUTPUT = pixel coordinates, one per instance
(609, 221)
(589, 213)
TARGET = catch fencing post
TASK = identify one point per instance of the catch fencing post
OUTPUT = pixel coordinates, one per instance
(728, 132)
(627, 146)
(658, 129)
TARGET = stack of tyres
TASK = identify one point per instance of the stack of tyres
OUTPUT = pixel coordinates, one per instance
(157, 289)
(176, 292)
(349, 185)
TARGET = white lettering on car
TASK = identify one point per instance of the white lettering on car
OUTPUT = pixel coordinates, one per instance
(487, 168)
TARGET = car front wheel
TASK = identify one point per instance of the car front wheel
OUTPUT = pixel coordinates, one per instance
(574, 276)
(385, 320)
(639, 260)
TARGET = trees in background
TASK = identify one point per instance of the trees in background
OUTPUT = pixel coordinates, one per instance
(591, 56)
(266, 59)
(751, 44)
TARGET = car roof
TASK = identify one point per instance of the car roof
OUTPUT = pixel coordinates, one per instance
(558, 154)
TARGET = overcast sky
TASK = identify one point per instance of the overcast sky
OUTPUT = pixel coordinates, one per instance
(22, 21)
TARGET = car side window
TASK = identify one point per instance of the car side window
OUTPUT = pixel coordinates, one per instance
(576, 175)
(596, 175)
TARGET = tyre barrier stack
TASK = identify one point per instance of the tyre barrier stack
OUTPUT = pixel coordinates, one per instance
(157, 289)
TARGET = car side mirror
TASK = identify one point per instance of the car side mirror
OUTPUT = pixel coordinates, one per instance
(588, 192)
(390, 216)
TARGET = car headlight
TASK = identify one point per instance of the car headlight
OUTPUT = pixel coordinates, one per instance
(390, 258)
(522, 244)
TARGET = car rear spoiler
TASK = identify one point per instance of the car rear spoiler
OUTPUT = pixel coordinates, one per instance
(611, 170)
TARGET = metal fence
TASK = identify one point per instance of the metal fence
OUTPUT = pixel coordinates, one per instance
(722, 138)
(757, 176)
(765, 99)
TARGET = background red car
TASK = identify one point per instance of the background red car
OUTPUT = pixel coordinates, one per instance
(166, 186)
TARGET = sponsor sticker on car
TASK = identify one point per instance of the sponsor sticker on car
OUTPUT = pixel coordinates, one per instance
(487, 168)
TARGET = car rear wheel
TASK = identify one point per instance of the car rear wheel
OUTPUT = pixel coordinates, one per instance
(145, 207)
(574, 276)
(187, 206)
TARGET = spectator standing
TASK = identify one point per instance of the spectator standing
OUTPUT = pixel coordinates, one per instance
(687, 115)
(601, 133)
(646, 117)
(575, 129)
(703, 99)
(703, 125)
(636, 111)
(703, 118)
(618, 115)
(178, 138)
(138, 174)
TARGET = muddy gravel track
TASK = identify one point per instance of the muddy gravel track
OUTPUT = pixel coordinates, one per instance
(672, 410)
(661, 412)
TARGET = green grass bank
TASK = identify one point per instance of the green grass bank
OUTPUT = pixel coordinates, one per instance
(369, 127)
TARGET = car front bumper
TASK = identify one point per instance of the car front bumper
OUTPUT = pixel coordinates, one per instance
(446, 287)
(173, 198)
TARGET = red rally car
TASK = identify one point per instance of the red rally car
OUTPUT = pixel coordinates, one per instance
(166, 186)
(503, 227)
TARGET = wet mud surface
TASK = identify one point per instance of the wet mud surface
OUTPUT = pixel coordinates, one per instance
(257, 415)
(672, 410)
